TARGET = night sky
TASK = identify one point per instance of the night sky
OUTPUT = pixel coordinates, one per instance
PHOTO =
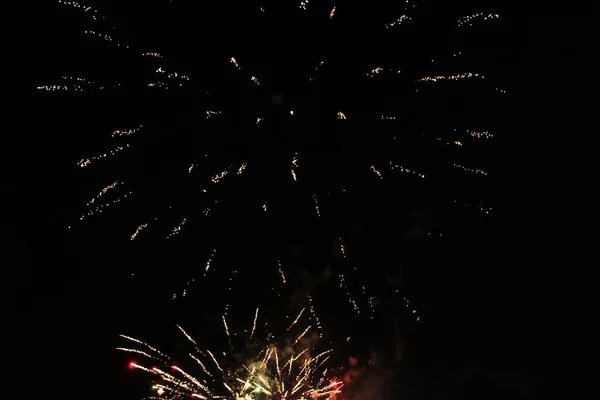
(438, 239)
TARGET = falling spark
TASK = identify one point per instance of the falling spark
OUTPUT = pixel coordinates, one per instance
(210, 258)
(377, 172)
(281, 272)
(301, 335)
(226, 327)
(186, 335)
(87, 161)
(125, 132)
(138, 230)
(177, 228)
(254, 323)
(296, 320)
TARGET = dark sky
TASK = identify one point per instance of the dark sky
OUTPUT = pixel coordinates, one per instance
(480, 297)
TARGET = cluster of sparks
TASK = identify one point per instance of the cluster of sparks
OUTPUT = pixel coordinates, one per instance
(73, 84)
(316, 203)
(403, 169)
(480, 16)
(344, 286)
(80, 84)
(101, 207)
(104, 36)
(103, 192)
(281, 273)
(455, 142)
(473, 170)
(458, 77)
(137, 231)
(480, 207)
(376, 171)
(303, 4)
(481, 135)
(313, 313)
(86, 9)
(217, 177)
(410, 306)
(377, 70)
(160, 85)
(87, 161)
(397, 22)
(212, 113)
(294, 165)
(125, 132)
(284, 373)
(177, 228)
(210, 260)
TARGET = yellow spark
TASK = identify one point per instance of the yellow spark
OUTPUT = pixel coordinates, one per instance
(215, 360)
(297, 318)
(254, 323)
(138, 230)
(187, 336)
(300, 337)
(262, 388)
(263, 379)
(136, 351)
(201, 365)
(332, 13)
(226, 328)
(144, 344)
(281, 273)
(134, 365)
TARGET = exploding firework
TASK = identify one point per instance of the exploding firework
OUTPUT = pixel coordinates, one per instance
(276, 368)
(430, 73)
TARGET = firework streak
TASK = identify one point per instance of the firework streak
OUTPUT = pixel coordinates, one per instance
(281, 372)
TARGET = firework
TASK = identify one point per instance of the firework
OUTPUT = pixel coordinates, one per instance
(165, 74)
(283, 368)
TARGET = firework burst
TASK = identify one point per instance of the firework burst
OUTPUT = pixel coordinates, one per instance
(431, 71)
(276, 368)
